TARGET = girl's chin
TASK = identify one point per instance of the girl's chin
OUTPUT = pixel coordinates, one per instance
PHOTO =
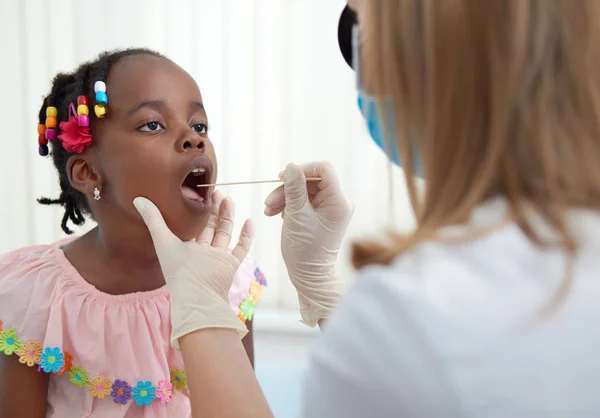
(192, 229)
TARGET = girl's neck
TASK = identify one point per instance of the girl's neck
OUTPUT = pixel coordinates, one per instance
(117, 260)
(131, 247)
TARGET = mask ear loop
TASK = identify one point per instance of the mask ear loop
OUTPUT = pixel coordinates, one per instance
(356, 54)
(391, 202)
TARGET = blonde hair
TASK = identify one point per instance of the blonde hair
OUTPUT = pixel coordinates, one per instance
(499, 98)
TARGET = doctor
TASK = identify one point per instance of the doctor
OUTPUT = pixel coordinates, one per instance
(490, 308)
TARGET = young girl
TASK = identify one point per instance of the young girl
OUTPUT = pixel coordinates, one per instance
(85, 322)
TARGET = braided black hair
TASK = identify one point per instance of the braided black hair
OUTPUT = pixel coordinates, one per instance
(66, 87)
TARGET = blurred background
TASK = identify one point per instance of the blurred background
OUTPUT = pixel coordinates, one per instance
(276, 90)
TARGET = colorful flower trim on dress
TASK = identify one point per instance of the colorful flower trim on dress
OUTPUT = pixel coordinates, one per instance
(143, 393)
(256, 290)
(121, 392)
(178, 378)
(260, 278)
(54, 360)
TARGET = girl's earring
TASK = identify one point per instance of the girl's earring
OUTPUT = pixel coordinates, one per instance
(96, 194)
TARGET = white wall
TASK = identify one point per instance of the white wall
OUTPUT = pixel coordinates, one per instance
(273, 80)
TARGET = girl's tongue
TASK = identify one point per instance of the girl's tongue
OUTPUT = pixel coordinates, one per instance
(190, 189)
(191, 194)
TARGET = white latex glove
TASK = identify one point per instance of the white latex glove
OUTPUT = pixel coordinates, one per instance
(199, 273)
(315, 220)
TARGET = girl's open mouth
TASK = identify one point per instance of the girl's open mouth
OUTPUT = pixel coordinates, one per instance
(189, 187)
(198, 171)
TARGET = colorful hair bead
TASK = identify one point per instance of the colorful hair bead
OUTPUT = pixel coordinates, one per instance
(50, 122)
(100, 111)
(83, 121)
(43, 145)
(83, 110)
(51, 112)
(101, 97)
(50, 134)
(47, 131)
(99, 86)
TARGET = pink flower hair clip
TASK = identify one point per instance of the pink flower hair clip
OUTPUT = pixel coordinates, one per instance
(75, 133)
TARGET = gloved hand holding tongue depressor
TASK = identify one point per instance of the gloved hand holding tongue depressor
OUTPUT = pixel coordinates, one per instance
(315, 219)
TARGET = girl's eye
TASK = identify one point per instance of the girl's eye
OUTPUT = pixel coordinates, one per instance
(200, 128)
(151, 127)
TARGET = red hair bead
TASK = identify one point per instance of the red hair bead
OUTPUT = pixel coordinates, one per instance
(42, 139)
(82, 100)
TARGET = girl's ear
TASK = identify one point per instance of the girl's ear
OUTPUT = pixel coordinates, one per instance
(82, 174)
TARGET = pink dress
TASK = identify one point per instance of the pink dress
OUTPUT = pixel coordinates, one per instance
(107, 355)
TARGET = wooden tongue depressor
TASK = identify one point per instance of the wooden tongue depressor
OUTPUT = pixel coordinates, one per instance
(254, 182)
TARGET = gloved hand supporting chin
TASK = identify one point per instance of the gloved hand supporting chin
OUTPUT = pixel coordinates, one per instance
(199, 273)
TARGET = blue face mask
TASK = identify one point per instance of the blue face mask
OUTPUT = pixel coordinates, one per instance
(369, 109)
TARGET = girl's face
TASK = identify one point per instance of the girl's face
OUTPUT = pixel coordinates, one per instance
(154, 143)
